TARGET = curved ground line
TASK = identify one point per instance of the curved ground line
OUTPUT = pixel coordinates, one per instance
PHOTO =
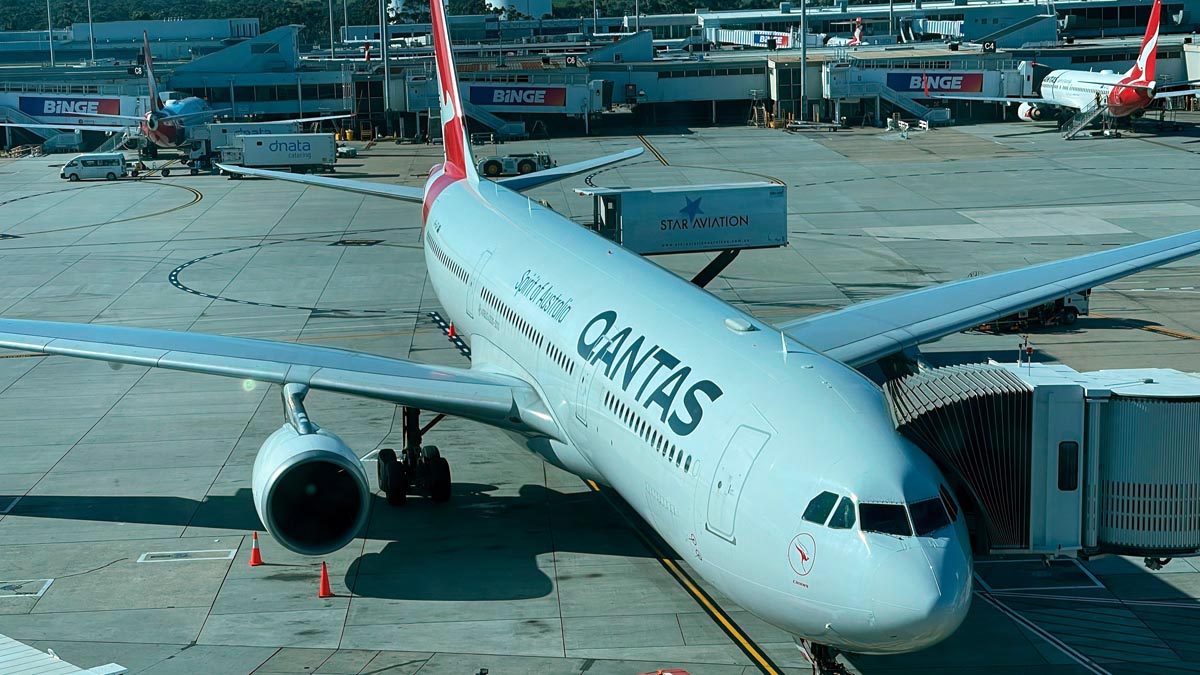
(173, 277)
(196, 197)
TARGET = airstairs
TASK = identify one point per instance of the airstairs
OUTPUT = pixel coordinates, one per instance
(1083, 118)
(115, 143)
(503, 128)
(912, 106)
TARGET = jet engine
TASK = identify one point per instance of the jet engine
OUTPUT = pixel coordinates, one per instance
(310, 490)
(152, 121)
(1029, 112)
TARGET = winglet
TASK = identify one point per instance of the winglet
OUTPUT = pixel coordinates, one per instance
(459, 162)
(155, 102)
(1143, 68)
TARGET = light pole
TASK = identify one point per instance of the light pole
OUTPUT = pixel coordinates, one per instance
(50, 32)
(331, 29)
(387, 70)
(595, 16)
(91, 35)
(345, 16)
(803, 60)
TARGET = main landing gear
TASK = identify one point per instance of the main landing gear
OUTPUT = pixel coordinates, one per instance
(419, 469)
(822, 657)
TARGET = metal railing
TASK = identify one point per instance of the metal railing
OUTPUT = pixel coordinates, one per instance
(1083, 118)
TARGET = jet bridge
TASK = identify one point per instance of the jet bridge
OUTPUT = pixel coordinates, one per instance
(1053, 461)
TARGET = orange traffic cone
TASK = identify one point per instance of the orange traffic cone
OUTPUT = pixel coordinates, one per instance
(324, 591)
(255, 555)
(450, 333)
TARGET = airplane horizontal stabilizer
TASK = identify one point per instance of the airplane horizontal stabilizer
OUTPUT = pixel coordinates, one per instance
(401, 192)
(864, 333)
(491, 398)
(531, 180)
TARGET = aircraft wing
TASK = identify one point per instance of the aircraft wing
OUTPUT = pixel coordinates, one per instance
(997, 99)
(308, 119)
(1175, 93)
(491, 398)
(537, 178)
(70, 127)
(863, 333)
(401, 192)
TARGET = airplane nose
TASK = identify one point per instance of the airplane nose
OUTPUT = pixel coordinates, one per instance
(921, 595)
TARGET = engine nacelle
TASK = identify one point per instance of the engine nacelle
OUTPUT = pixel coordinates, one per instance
(310, 490)
(1029, 112)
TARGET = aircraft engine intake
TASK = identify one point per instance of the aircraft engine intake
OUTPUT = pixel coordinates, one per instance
(152, 121)
(310, 490)
(1029, 112)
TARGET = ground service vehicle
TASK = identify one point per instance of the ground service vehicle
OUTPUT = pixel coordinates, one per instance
(520, 163)
(298, 153)
(107, 165)
(1064, 311)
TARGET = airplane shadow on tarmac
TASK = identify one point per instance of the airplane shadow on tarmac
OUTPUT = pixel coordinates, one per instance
(488, 543)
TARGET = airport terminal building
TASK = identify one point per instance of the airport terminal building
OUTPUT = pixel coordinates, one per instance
(530, 76)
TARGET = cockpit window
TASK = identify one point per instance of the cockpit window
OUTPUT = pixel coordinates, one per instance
(843, 515)
(819, 508)
(929, 516)
(948, 500)
(885, 518)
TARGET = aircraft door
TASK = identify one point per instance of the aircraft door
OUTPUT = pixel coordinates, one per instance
(586, 378)
(729, 479)
(476, 283)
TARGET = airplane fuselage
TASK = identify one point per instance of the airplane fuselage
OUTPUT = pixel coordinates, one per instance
(692, 411)
(168, 127)
(1078, 89)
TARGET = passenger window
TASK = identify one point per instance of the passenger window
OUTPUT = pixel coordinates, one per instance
(884, 518)
(1068, 466)
(929, 516)
(843, 515)
(948, 500)
(819, 508)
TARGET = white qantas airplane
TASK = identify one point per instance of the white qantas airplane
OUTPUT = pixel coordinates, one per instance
(1069, 91)
(758, 452)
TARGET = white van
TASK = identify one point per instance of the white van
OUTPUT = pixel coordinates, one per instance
(107, 165)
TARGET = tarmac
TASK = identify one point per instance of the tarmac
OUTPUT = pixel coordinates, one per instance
(125, 508)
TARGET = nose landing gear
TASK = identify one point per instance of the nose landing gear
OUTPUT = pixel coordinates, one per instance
(822, 657)
(418, 468)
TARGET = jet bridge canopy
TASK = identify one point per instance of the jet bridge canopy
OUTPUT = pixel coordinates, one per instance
(1057, 461)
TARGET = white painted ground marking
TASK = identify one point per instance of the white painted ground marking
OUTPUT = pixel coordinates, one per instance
(180, 556)
(13, 589)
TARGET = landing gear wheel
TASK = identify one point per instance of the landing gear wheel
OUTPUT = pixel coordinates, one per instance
(439, 478)
(822, 657)
(393, 477)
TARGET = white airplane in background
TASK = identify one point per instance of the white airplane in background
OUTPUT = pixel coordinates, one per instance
(166, 125)
(758, 452)
(1074, 90)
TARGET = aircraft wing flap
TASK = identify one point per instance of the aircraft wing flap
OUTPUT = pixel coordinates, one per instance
(492, 398)
(401, 192)
(863, 333)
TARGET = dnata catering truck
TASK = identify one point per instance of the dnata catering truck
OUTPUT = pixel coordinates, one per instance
(298, 153)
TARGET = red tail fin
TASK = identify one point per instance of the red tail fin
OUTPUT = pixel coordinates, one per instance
(155, 101)
(1143, 68)
(454, 124)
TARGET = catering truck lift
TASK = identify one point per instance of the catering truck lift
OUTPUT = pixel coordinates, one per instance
(726, 217)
